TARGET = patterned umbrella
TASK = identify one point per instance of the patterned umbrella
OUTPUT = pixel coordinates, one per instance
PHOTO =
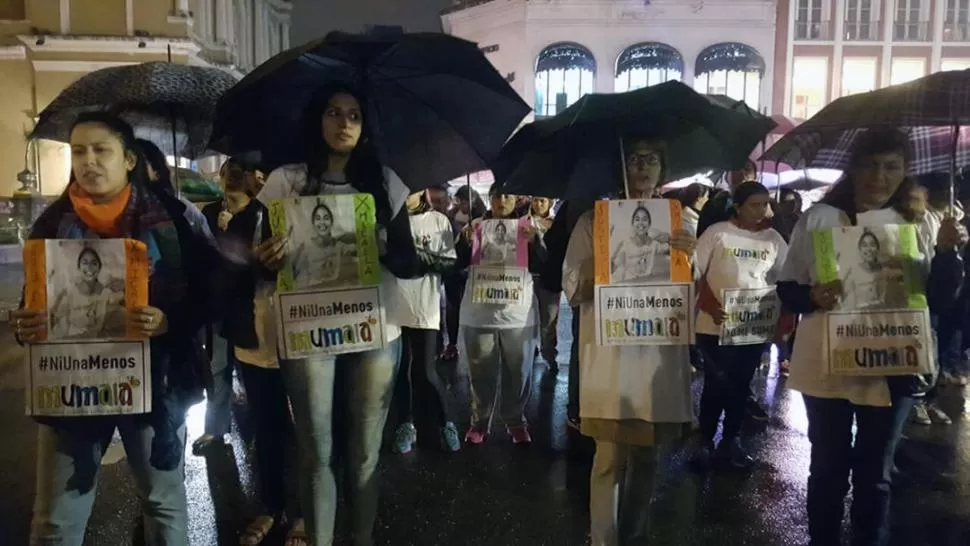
(928, 108)
(161, 100)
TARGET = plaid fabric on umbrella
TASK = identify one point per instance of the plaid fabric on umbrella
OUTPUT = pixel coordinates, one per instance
(931, 148)
(156, 98)
(938, 100)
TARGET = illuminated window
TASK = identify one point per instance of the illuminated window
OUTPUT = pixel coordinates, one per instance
(731, 69)
(643, 65)
(860, 20)
(911, 22)
(858, 76)
(809, 82)
(808, 21)
(905, 70)
(955, 64)
(564, 73)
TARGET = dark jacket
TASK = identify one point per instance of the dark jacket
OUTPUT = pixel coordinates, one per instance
(717, 209)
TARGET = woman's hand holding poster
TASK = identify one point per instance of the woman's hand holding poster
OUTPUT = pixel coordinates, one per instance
(881, 326)
(91, 360)
(329, 299)
(643, 287)
(500, 261)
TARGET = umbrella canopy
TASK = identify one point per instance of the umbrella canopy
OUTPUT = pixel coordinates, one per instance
(158, 99)
(435, 106)
(573, 153)
(928, 108)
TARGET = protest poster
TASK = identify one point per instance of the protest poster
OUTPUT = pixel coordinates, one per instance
(90, 361)
(878, 266)
(644, 314)
(85, 285)
(74, 379)
(879, 343)
(333, 241)
(631, 242)
(330, 322)
(752, 316)
(500, 261)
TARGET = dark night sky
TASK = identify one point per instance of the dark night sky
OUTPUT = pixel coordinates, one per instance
(314, 18)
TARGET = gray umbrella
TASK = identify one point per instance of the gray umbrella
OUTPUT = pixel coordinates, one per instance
(170, 104)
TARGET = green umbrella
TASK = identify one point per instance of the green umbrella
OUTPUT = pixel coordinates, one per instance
(197, 188)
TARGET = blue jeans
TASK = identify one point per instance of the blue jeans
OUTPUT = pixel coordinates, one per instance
(68, 462)
(869, 460)
(365, 383)
(218, 399)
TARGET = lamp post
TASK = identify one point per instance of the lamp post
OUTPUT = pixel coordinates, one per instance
(27, 201)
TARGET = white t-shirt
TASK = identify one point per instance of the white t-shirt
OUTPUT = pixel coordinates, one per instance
(289, 181)
(420, 301)
(732, 257)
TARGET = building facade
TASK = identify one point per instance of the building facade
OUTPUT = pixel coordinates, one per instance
(554, 51)
(834, 48)
(45, 45)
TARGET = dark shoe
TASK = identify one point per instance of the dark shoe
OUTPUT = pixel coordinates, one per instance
(701, 456)
(756, 411)
(734, 454)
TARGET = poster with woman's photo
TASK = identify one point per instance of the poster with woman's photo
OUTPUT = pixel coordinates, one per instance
(643, 287)
(881, 325)
(632, 242)
(333, 241)
(90, 361)
(500, 261)
(876, 265)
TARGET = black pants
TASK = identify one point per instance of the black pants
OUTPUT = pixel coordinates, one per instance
(418, 380)
(273, 431)
(869, 460)
(572, 379)
(728, 370)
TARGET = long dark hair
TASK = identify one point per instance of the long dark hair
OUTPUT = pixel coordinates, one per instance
(156, 160)
(364, 171)
(878, 141)
(690, 195)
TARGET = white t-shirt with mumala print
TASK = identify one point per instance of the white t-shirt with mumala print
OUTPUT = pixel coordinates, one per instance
(732, 258)
(420, 303)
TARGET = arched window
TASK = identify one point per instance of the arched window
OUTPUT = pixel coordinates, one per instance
(731, 69)
(564, 73)
(647, 64)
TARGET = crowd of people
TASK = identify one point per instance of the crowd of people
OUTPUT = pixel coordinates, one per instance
(218, 266)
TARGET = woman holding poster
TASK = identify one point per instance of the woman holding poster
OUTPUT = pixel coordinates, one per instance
(497, 332)
(109, 197)
(635, 401)
(737, 260)
(341, 159)
(855, 422)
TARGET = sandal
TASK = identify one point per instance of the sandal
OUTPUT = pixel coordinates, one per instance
(257, 531)
(297, 535)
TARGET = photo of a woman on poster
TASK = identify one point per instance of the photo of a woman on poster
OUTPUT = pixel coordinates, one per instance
(873, 279)
(88, 307)
(643, 254)
(323, 257)
(498, 243)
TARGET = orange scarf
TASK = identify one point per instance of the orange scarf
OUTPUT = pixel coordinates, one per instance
(103, 218)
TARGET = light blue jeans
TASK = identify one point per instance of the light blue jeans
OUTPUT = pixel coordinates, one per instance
(366, 384)
(67, 477)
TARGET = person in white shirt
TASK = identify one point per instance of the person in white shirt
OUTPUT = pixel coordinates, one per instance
(498, 341)
(635, 401)
(740, 253)
(418, 386)
(855, 423)
(357, 387)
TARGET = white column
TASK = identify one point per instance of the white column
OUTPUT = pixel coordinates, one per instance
(181, 6)
(888, 16)
(789, 58)
(936, 28)
(224, 18)
(64, 10)
(835, 89)
(129, 17)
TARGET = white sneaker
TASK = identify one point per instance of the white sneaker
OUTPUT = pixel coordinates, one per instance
(937, 416)
(920, 415)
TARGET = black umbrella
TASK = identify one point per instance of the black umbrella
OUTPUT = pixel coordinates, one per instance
(435, 106)
(160, 100)
(577, 154)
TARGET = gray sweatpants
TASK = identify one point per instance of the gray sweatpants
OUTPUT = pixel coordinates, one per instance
(500, 371)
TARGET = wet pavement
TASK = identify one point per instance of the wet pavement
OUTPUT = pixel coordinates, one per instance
(505, 495)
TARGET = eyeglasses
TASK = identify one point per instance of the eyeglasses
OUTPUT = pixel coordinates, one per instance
(637, 159)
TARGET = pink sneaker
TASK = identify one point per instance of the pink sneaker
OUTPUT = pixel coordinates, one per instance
(520, 434)
(475, 436)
